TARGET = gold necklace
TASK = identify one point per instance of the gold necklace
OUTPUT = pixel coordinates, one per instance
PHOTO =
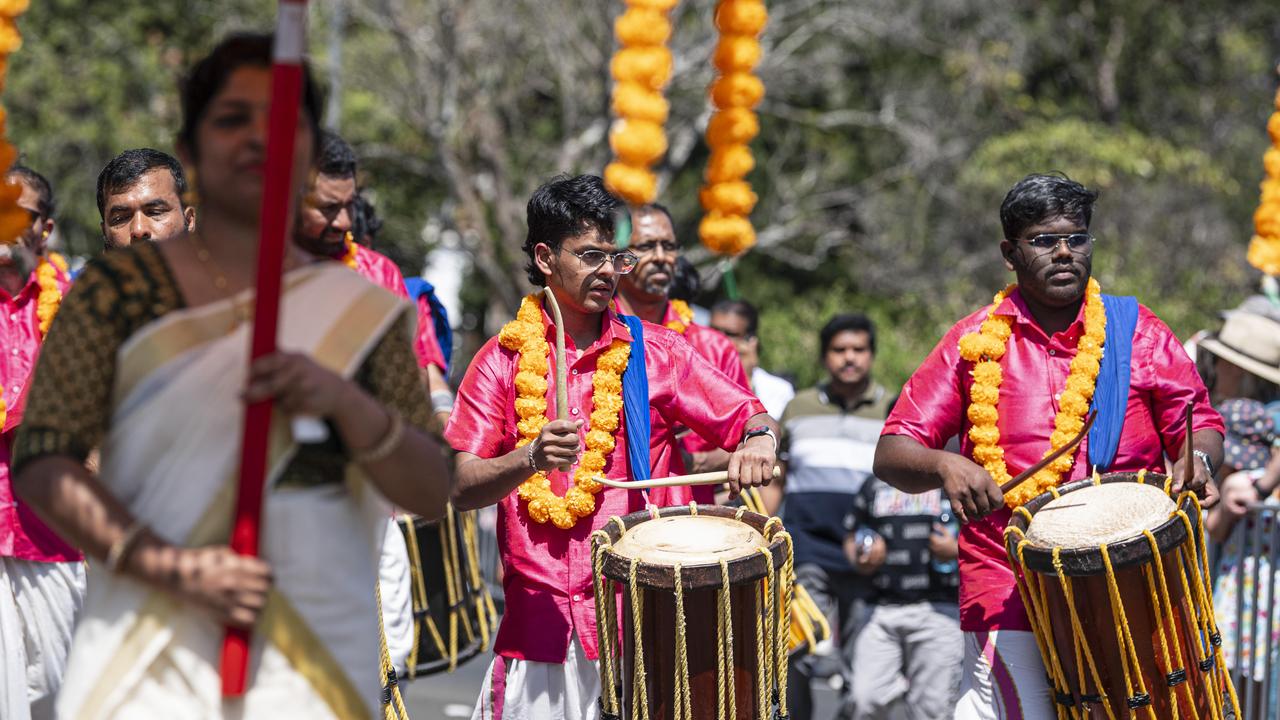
(239, 310)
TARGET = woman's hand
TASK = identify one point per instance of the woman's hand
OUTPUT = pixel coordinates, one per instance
(233, 586)
(297, 383)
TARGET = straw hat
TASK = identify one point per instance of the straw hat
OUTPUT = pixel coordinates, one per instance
(1248, 341)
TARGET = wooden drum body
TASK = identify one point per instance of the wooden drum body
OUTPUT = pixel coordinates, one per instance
(703, 588)
(1114, 576)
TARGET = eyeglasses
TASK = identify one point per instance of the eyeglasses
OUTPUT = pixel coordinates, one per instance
(623, 261)
(1080, 243)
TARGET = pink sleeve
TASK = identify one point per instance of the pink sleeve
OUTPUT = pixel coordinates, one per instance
(478, 423)
(703, 398)
(425, 344)
(930, 408)
(1170, 372)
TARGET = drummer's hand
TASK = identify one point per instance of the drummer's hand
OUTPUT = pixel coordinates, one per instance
(969, 486)
(233, 586)
(557, 445)
(1200, 481)
(751, 465)
(297, 383)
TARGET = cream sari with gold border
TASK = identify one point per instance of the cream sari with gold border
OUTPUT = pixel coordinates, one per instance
(172, 457)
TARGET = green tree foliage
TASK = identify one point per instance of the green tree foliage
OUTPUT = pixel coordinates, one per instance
(891, 130)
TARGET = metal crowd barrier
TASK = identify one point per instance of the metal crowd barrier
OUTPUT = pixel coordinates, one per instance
(1245, 568)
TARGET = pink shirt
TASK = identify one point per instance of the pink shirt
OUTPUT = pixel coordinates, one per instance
(547, 571)
(425, 344)
(934, 403)
(22, 534)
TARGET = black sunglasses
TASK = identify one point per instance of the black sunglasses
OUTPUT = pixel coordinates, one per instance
(1076, 242)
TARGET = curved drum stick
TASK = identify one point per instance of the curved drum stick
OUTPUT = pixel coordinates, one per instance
(562, 391)
(1022, 476)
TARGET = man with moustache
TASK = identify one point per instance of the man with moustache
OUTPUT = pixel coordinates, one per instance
(546, 645)
(142, 197)
(1034, 333)
(829, 435)
(41, 576)
(739, 321)
(645, 294)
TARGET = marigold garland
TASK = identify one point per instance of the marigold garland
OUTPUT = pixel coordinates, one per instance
(1264, 249)
(349, 252)
(13, 219)
(641, 69)
(684, 313)
(985, 348)
(727, 198)
(526, 335)
(50, 298)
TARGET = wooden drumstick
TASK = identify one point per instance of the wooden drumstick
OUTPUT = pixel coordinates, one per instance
(1022, 476)
(707, 478)
(1188, 470)
(562, 392)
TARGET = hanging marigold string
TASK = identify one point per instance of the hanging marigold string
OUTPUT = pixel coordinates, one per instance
(349, 252)
(641, 69)
(985, 348)
(1264, 249)
(727, 198)
(50, 298)
(526, 335)
(685, 315)
(13, 219)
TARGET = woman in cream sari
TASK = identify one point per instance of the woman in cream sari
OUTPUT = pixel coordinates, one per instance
(146, 360)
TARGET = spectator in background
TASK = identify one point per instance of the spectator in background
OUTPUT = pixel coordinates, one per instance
(142, 196)
(738, 321)
(909, 651)
(829, 435)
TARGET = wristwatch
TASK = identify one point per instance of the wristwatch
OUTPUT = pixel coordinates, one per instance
(1204, 458)
(759, 430)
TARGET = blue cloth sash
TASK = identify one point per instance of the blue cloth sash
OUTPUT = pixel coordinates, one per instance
(418, 287)
(635, 402)
(1111, 393)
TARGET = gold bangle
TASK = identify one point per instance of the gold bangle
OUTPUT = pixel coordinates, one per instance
(119, 550)
(386, 445)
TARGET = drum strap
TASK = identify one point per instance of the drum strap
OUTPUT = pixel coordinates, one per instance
(1111, 394)
(635, 401)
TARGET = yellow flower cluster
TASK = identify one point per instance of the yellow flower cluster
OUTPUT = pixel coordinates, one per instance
(985, 348)
(684, 312)
(349, 254)
(526, 335)
(1264, 249)
(13, 219)
(50, 298)
(727, 197)
(641, 69)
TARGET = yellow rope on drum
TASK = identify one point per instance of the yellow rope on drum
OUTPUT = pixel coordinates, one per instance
(768, 610)
(606, 639)
(639, 693)
(392, 703)
(1201, 563)
(1128, 651)
(420, 594)
(780, 643)
(451, 592)
(1024, 592)
(1175, 662)
(1078, 630)
(724, 647)
(680, 690)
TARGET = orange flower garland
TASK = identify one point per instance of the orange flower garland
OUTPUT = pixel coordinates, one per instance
(985, 348)
(727, 198)
(684, 312)
(526, 335)
(1264, 249)
(349, 253)
(13, 219)
(50, 298)
(641, 69)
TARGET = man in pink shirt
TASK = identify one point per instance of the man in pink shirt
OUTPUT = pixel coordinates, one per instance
(41, 576)
(547, 644)
(645, 294)
(1047, 245)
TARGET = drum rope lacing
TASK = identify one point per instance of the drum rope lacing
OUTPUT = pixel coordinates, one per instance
(392, 703)
(809, 625)
(1192, 566)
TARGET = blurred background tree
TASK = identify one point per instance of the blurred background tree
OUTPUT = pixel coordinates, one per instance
(891, 130)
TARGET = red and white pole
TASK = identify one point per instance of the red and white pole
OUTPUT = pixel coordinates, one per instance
(286, 95)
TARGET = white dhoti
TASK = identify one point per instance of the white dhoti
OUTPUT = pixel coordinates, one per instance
(397, 601)
(519, 689)
(39, 602)
(1003, 678)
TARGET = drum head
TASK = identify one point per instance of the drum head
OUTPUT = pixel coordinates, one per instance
(689, 540)
(1097, 514)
